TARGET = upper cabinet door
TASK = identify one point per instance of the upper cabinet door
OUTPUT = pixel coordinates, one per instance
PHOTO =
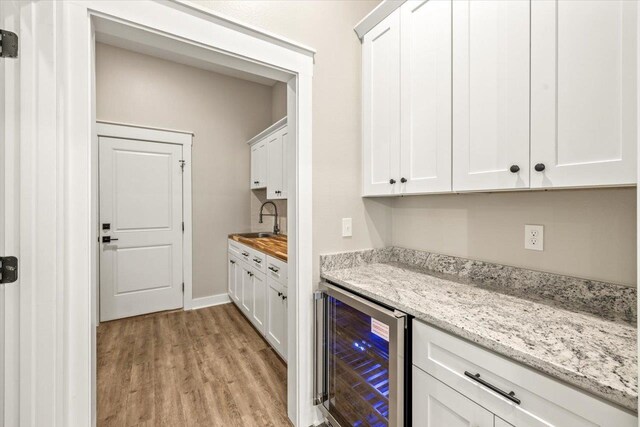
(583, 92)
(426, 96)
(284, 163)
(259, 164)
(490, 94)
(277, 180)
(381, 108)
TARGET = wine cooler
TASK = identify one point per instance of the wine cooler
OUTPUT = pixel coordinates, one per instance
(360, 367)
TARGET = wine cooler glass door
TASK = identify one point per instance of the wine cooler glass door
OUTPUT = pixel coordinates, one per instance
(364, 362)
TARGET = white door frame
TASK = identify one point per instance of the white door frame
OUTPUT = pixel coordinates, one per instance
(58, 215)
(183, 138)
(9, 224)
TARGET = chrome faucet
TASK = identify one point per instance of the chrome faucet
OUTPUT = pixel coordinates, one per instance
(276, 228)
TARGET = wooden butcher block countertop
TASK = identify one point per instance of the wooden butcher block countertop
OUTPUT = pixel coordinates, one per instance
(275, 246)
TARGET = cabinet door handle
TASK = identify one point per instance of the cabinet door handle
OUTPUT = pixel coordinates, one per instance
(392, 181)
(403, 180)
(539, 167)
(280, 294)
(232, 262)
(514, 169)
(511, 395)
(284, 297)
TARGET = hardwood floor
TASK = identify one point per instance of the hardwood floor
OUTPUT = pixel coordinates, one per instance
(205, 367)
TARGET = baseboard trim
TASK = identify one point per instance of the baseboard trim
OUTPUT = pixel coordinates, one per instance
(209, 301)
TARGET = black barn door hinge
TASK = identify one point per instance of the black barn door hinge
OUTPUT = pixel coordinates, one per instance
(8, 44)
(8, 269)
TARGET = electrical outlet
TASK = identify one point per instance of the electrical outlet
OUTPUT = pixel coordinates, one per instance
(347, 227)
(534, 237)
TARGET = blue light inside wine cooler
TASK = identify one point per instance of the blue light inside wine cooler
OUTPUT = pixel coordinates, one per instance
(365, 355)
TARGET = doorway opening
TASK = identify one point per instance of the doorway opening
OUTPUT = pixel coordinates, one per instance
(167, 202)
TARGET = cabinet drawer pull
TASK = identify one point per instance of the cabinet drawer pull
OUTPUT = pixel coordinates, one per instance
(275, 270)
(280, 294)
(511, 395)
(245, 253)
(258, 260)
(232, 261)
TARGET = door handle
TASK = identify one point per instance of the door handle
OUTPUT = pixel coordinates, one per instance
(108, 239)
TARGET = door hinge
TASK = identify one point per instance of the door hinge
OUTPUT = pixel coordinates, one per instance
(183, 226)
(8, 269)
(182, 162)
(8, 44)
(183, 287)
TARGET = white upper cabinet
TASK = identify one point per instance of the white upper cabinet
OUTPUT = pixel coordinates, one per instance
(583, 92)
(425, 96)
(259, 164)
(381, 108)
(490, 95)
(277, 165)
(269, 160)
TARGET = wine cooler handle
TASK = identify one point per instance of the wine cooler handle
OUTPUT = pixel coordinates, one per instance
(319, 390)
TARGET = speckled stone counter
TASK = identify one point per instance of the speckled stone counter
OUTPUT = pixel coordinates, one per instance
(505, 309)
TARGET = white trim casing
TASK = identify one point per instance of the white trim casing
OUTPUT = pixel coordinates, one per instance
(58, 142)
(210, 301)
(268, 131)
(377, 15)
(185, 139)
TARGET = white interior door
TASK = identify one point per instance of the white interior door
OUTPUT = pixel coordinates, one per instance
(141, 269)
(9, 226)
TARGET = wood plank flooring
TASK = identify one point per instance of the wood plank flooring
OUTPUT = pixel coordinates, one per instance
(205, 367)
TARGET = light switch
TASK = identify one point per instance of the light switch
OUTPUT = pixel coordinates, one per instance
(347, 227)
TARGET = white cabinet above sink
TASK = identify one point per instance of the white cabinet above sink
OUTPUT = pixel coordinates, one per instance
(269, 160)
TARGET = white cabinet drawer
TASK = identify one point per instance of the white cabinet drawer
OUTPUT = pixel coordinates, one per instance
(277, 270)
(543, 401)
(258, 260)
(235, 247)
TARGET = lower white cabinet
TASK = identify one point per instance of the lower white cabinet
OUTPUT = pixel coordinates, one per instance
(436, 404)
(246, 299)
(257, 285)
(259, 313)
(277, 317)
(443, 364)
(234, 278)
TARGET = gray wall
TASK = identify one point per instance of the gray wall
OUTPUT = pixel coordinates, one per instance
(222, 111)
(588, 233)
(327, 26)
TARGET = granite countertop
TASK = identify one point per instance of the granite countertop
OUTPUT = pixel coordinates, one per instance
(587, 351)
(275, 246)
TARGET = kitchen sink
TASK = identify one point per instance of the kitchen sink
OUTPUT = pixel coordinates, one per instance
(256, 235)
